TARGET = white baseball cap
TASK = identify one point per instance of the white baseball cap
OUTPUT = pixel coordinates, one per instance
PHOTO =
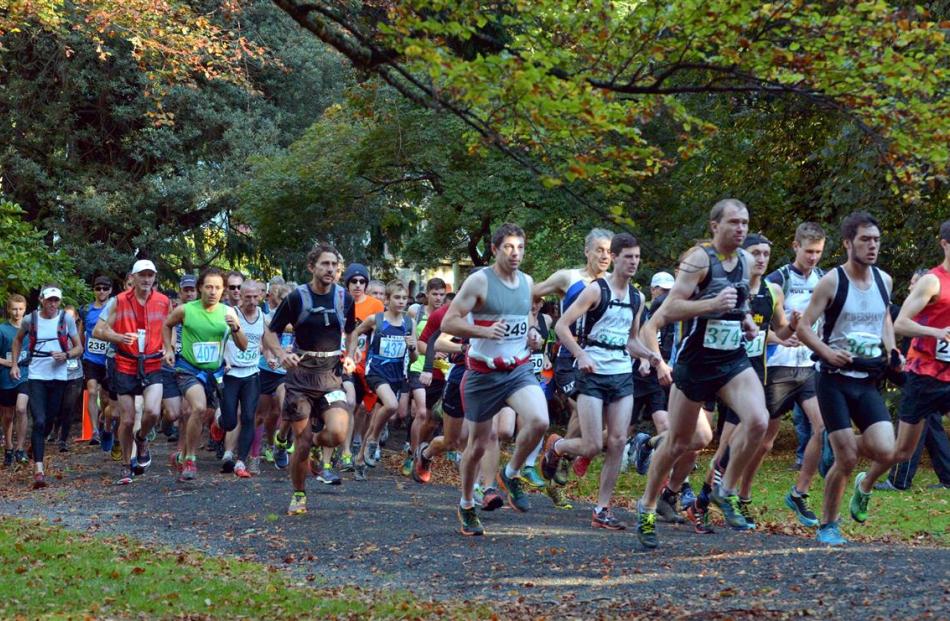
(51, 292)
(143, 264)
(663, 280)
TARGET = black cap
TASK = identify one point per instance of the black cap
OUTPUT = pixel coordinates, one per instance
(102, 280)
(754, 239)
(353, 270)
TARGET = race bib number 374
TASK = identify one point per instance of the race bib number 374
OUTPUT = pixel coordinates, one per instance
(722, 335)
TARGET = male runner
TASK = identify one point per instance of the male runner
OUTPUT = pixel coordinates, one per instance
(568, 284)
(611, 308)
(206, 324)
(242, 382)
(232, 297)
(925, 316)
(856, 347)
(14, 395)
(499, 370)
(322, 314)
(710, 293)
(94, 354)
(132, 321)
(53, 340)
(424, 398)
(171, 395)
(791, 371)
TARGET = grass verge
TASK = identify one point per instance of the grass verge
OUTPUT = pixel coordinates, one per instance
(51, 573)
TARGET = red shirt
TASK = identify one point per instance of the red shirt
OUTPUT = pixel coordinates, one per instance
(433, 323)
(923, 358)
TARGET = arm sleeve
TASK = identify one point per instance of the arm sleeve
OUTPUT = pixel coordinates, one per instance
(430, 350)
(286, 313)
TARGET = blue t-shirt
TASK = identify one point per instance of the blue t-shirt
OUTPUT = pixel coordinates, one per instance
(7, 335)
(95, 350)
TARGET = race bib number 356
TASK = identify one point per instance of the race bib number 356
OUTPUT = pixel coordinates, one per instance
(722, 335)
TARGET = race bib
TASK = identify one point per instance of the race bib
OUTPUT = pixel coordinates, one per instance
(334, 396)
(864, 344)
(23, 355)
(246, 358)
(537, 363)
(95, 346)
(515, 331)
(756, 346)
(206, 352)
(361, 342)
(943, 351)
(392, 346)
(722, 335)
(72, 364)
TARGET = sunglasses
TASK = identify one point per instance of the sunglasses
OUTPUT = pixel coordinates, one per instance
(234, 287)
(102, 288)
(358, 281)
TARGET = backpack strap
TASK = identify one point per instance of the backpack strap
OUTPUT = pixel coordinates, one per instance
(378, 320)
(786, 273)
(881, 287)
(339, 304)
(306, 304)
(592, 316)
(62, 332)
(837, 304)
(407, 324)
(32, 335)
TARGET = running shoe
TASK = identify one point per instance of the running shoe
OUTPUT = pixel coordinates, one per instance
(298, 504)
(328, 477)
(646, 528)
(189, 470)
(240, 470)
(729, 505)
(227, 465)
(105, 441)
(699, 518)
(20, 457)
(135, 468)
(549, 457)
(406, 469)
(514, 486)
(39, 481)
(384, 435)
(563, 474)
(281, 457)
(453, 456)
(173, 435)
(471, 525)
(421, 470)
(605, 519)
(7, 458)
(63, 447)
(267, 452)
(830, 534)
(116, 451)
(346, 463)
(642, 451)
(859, 500)
(145, 460)
(580, 466)
(94, 440)
(798, 503)
(491, 499)
(478, 495)
(217, 434)
(174, 461)
(687, 495)
(369, 455)
(254, 466)
(532, 477)
(127, 478)
(745, 508)
(887, 486)
(558, 496)
(359, 472)
(151, 435)
(666, 507)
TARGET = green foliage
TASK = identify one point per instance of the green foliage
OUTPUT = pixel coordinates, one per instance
(28, 259)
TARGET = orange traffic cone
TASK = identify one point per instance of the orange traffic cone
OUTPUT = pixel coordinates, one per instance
(86, 423)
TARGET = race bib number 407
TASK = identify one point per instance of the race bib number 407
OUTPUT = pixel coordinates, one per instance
(722, 335)
(206, 352)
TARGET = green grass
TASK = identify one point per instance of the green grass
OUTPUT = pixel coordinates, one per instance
(51, 573)
(919, 515)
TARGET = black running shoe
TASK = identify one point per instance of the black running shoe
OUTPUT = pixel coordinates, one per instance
(471, 525)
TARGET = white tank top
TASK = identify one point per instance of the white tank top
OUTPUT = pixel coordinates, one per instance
(244, 363)
(860, 324)
(613, 328)
(800, 290)
(513, 306)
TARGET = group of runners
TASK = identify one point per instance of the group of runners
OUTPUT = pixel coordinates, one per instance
(310, 376)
